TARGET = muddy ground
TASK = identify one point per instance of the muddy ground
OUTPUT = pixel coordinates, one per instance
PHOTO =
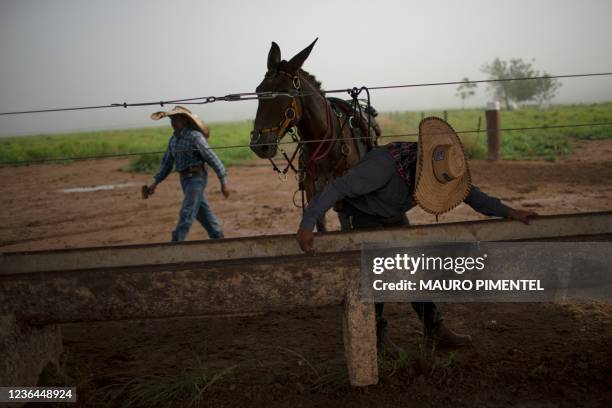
(528, 355)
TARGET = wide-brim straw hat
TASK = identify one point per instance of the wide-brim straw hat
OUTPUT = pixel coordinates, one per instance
(195, 120)
(442, 174)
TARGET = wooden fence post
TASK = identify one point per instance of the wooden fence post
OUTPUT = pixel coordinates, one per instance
(493, 137)
(359, 332)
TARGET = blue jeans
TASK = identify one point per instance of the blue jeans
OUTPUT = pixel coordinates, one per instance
(195, 206)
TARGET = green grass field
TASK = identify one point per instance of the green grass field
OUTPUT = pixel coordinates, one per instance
(516, 145)
(154, 139)
(548, 144)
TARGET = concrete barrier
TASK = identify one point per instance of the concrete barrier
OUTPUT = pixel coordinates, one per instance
(566, 225)
(47, 288)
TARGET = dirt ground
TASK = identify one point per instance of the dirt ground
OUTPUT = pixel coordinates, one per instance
(527, 355)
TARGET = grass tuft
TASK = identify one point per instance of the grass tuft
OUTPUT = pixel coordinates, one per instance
(159, 390)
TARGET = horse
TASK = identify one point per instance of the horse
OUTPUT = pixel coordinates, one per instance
(332, 134)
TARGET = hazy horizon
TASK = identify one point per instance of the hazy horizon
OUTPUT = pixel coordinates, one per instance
(68, 53)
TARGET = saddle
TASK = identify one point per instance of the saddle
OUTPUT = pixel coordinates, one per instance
(357, 120)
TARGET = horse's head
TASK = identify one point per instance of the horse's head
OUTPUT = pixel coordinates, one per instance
(276, 114)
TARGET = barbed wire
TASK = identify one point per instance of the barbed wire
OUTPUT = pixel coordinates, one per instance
(303, 142)
(244, 96)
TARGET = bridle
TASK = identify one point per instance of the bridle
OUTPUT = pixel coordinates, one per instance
(293, 113)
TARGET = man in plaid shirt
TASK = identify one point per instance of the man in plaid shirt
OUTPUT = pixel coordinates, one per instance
(190, 153)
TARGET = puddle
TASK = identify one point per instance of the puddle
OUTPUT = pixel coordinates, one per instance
(98, 188)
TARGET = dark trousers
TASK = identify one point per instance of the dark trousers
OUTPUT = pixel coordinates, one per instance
(427, 311)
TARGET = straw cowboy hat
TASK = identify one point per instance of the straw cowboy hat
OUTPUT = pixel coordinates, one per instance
(195, 120)
(442, 174)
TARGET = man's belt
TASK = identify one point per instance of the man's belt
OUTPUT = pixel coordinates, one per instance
(193, 171)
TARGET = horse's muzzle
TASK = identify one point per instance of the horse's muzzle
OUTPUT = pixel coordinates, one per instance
(264, 144)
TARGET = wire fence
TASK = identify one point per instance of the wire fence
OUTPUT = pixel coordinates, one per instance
(302, 142)
(268, 95)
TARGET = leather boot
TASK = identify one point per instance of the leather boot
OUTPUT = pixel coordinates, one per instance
(384, 343)
(445, 337)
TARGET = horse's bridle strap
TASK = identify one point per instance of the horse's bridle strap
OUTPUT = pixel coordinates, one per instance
(293, 114)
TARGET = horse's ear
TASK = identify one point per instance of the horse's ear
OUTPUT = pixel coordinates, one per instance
(296, 62)
(274, 56)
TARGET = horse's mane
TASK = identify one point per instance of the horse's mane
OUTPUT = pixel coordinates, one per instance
(306, 74)
(311, 78)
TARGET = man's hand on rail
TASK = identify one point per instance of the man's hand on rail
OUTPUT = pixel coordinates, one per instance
(305, 238)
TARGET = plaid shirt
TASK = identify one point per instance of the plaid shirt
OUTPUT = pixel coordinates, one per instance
(189, 148)
(405, 156)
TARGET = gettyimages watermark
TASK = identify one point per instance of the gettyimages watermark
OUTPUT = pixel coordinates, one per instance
(486, 271)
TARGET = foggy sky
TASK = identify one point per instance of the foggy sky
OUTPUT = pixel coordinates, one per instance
(66, 53)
